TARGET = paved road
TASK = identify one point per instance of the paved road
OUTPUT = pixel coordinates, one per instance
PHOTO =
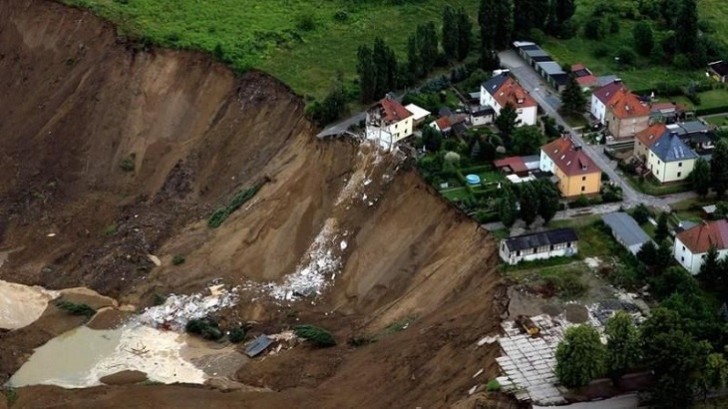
(533, 83)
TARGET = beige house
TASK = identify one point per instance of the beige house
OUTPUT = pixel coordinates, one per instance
(626, 115)
(644, 140)
(670, 160)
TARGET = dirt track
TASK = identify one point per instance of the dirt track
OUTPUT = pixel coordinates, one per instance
(77, 101)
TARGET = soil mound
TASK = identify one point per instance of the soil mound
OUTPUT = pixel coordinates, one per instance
(113, 151)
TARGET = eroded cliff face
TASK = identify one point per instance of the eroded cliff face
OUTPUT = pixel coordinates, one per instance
(111, 153)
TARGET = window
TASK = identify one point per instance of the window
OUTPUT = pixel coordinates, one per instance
(678, 174)
(679, 164)
(568, 244)
(682, 259)
(583, 178)
(583, 188)
(658, 171)
(518, 253)
(683, 248)
(551, 248)
(396, 126)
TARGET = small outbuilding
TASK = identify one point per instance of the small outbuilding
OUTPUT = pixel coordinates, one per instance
(537, 246)
(626, 231)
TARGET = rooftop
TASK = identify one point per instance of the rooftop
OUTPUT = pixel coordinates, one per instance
(491, 86)
(584, 77)
(569, 157)
(514, 163)
(546, 238)
(551, 67)
(720, 67)
(606, 92)
(603, 80)
(443, 123)
(625, 104)
(625, 228)
(392, 110)
(700, 238)
(670, 148)
(510, 92)
(417, 112)
(652, 134)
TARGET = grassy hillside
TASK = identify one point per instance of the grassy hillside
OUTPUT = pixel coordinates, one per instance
(302, 42)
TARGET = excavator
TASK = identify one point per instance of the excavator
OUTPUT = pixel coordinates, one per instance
(528, 326)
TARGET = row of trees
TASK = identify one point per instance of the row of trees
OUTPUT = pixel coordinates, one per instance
(530, 200)
(456, 33)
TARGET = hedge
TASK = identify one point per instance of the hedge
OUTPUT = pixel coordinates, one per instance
(713, 110)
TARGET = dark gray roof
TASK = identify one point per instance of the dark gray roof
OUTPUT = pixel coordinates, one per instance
(542, 58)
(536, 52)
(551, 67)
(530, 47)
(625, 228)
(483, 111)
(606, 79)
(544, 238)
(671, 148)
(444, 111)
(492, 85)
(560, 79)
(693, 127)
(720, 67)
(258, 345)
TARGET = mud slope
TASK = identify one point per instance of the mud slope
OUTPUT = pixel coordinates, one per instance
(81, 107)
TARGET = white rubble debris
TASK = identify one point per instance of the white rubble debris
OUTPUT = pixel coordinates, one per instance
(478, 373)
(487, 340)
(343, 245)
(178, 309)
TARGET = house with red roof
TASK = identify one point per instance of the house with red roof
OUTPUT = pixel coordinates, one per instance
(502, 90)
(646, 138)
(389, 122)
(626, 115)
(692, 245)
(584, 76)
(577, 173)
(600, 99)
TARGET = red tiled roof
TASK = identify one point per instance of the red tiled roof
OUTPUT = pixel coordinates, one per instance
(511, 93)
(393, 110)
(625, 104)
(570, 158)
(651, 135)
(443, 123)
(606, 93)
(699, 238)
(515, 163)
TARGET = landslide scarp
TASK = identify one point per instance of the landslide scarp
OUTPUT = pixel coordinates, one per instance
(111, 153)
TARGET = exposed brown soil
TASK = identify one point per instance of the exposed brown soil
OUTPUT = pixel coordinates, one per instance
(79, 101)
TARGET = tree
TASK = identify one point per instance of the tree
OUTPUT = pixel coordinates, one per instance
(431, 138)
(367, 74)
(700, 177)
(672, 280)
(623, 344)
(661, 231)
(643, 39)
(530, 203)
(414, 67)
(530, 14)
(594, 29)
(648, 254)
(507, 207)
(719, 167)
(641, 214)
(688, 20)
(713, 272)
(580, 356)
(507, 119)
(715, 376)
(426, 35)
(549, 199)
(332, 106)
(560, 13)
(572, 98)
(495, 18)
(465, 34)
(489, 59)
(450, 32)
(677, 360)
(385, 66)
(527, 140)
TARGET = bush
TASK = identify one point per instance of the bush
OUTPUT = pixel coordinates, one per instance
(568, 284)
(76, 309)
(341, 15)
(319, 337)
(626, 56)
(206, 328)
(641, 214)
(305, 22)
(493, 386)
(219, 215)
(236, 335)
(177, 260)
(127, 164)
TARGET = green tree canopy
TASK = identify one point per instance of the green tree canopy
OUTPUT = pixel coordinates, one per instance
(662, 231)
(623, 344)
(527, 140)
(530, 203)
(580, 357)
(449, 32)
(700, 177)
(507, 120)
(643, 39)
(719, 167)
(432, 138)
(549, 199)
(572, 97)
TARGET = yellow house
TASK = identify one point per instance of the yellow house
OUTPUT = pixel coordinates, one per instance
(670, 160)
(577, 173)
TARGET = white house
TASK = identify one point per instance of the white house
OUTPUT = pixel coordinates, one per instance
(482, 115)
(600, 100)
(389, 122)
(502, 90)
(692, 245)
(670, 160)
(536, 246)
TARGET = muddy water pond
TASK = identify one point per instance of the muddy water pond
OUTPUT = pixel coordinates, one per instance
(80, 357)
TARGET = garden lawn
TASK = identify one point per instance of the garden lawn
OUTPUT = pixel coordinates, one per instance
(272, 35)
(717, 120)
(652, 187)
(455, 194)
(593, 242)
(708, 99)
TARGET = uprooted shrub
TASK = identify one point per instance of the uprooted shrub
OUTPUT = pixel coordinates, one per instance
(219, 215)
(236, 335)
(319, 337)
(206, 328)
(76, 309)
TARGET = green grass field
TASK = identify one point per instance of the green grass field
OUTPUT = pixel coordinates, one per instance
(276, 35)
